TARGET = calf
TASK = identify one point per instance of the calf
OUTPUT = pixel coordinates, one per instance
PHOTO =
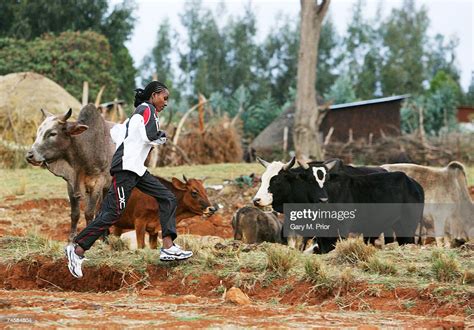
(252, 225)
(142, 211)
(449, 209)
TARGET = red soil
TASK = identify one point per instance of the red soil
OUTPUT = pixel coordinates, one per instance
(162, 281)
(51, 218)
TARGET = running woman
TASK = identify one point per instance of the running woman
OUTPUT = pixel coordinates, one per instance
(133, 140)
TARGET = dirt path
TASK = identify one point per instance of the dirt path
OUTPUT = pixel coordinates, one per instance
(72, 309)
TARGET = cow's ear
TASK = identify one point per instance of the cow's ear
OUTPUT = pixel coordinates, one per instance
(178, 184)
(76, 129)
(330, 165)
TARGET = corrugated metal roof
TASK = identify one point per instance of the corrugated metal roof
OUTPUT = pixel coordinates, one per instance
(374, 101)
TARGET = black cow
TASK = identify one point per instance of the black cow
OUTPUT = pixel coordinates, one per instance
(300, 195)
(313, 184)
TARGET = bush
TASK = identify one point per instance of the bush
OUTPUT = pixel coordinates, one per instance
(315, 271)
(376, 265)
(69, 59)
(280, 259)
(353, 250)
(445, 267)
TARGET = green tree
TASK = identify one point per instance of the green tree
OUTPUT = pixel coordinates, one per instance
(241, 52)
(404, 67)
(438, 103)
(469, 97)
(69, 59)
(159, 61)
(362, 58)
(442, 57)
(278, 56)
(260, 115)
(328, 56)
(277, 59)
(341, 91)
(203, 63)
(30, 19)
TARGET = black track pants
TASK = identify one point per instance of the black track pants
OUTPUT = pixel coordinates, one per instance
(116, 200)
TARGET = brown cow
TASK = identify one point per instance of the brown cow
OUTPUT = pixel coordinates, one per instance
(142, 212)
(78, 151)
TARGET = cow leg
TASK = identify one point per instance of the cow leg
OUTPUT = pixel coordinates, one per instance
(140, 232)
(92, 199)
(326, 244)
(116, 231)
(388, 237)
(153, 240)
(292, 242)
(75, 211)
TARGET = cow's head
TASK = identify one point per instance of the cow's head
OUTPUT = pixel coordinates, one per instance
(295, 186)
(53, 138)
(195, 198)
(263, 196)
(320, 172)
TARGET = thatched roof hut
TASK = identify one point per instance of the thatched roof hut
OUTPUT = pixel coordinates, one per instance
(22, 95)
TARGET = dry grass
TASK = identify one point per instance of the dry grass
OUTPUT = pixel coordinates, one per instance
(445, 267)
(379, 266)
(353, 250)
(316, 271)
(280, 259)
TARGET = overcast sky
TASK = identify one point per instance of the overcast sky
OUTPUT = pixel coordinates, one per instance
(449, 17)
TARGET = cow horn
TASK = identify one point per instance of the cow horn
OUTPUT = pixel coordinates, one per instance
(303, 164)
(45, 113)
(290, 164)
(185, 178)
(65, 116)
(330, 164)
(263, 162)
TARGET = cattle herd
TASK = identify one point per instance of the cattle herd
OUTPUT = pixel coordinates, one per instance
(81, 151)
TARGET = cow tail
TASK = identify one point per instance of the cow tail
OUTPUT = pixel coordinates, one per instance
(461, 178)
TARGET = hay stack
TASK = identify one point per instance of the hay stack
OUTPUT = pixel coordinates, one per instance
(22, 95)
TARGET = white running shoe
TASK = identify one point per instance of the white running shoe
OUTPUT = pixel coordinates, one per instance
(174, 253)
(74, 261)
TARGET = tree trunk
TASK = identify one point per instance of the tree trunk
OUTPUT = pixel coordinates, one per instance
(306, 135)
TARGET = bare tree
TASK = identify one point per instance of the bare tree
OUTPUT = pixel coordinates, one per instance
(307, 116)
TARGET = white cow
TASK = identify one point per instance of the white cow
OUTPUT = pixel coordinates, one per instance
(449, 211)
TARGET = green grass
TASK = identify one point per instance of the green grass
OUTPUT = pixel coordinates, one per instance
(34, 183)
(470, 175)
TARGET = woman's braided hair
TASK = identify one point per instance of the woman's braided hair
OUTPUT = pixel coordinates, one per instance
(142, 95)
